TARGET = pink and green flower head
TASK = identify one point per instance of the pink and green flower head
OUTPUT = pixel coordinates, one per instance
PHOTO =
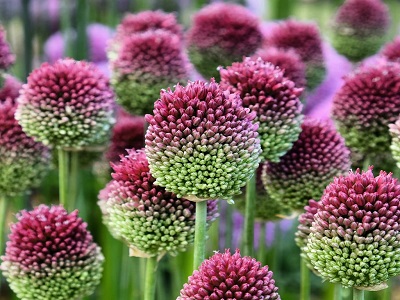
(221, 34)
(354, 238)
(288, 61)
(201, 142)
(68, 104)
(366, 104)
(273, 97)
(304, 38)
(146, 63)
(7, 58)
(391, 51)
(23, 161)
(51, 255)
(230, 276)
(303, 173)
(150, 220)
(360, 27)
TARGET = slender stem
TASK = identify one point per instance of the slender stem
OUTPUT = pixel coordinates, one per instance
(305, 281)
(66, 27)
(249, 217)
(228, 225)
(338, 292)
(358, 294)
(386, 294)
(28, 36)
(3, 215)
(262, 249)
(81, 38)
(63, 176)
(150, 279)
(366, 163)
(200, 234)
(73, 180)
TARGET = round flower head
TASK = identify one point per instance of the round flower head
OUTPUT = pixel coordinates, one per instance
(6, 56)
(23, 162)
(150, 220)
(288, 61)
(366, 104)
(354, 239)
(268, 209)
(10, 89)
(227, 276)
(222, 33)
(51, 255)
(146, 63)
(360, 27)
(303, 173)
(201, 142)
(274, 99)
(304, 38)
(127, 133)
(391, 51)
(67, 104)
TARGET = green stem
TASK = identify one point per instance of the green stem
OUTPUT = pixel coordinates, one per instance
(28, 36)
(150, 279)
(387, 293)
(73, 180)
(249, 216)
(358, 294)
(338, 292)
(262, 249)
(200, 234)
(366, 163)
(81, 38)
(66, 28)
(305, 281)
(3, 215)
(63, 176)
(228, 225)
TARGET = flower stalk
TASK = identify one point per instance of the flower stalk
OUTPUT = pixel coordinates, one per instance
(200, 234)
(249, 217)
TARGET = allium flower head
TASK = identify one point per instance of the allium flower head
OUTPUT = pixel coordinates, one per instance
(305, 39)
(150, 220)
(360, 27)
(23, 162)
(146, 63)
(288, 61)
(391, 51)
(273, 97)
(67, 104)
(227, 276)
(354, 239)
(7, 58)
(201, 142)
(222, 33)
(303, 173)
(149, 20)
(10, 89)
(127, 133)
(51, 255)
(366, 104)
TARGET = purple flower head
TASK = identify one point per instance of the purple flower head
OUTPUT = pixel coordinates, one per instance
(359, 28)
(303, 173)
(288, 61)
(222, 33)
(7, 58)
(366, 104)
(273, 98)
(150, 220)
(305, 39)
(355, 233)
(391, 51)
(201, 142)
(23, 162)
(227, 276)
(67, 104)
(145, 63)
(51, 255)
(10, 89)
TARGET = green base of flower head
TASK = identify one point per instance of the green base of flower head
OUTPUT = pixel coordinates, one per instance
(362, 139)
(356, 48)
(315, 74)
(17, 175)
(138, 97)
(151, 234)
(355, 261)
(277, 140)
(206, 171)
(208, 60)
(61, 283)
(295, 194)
